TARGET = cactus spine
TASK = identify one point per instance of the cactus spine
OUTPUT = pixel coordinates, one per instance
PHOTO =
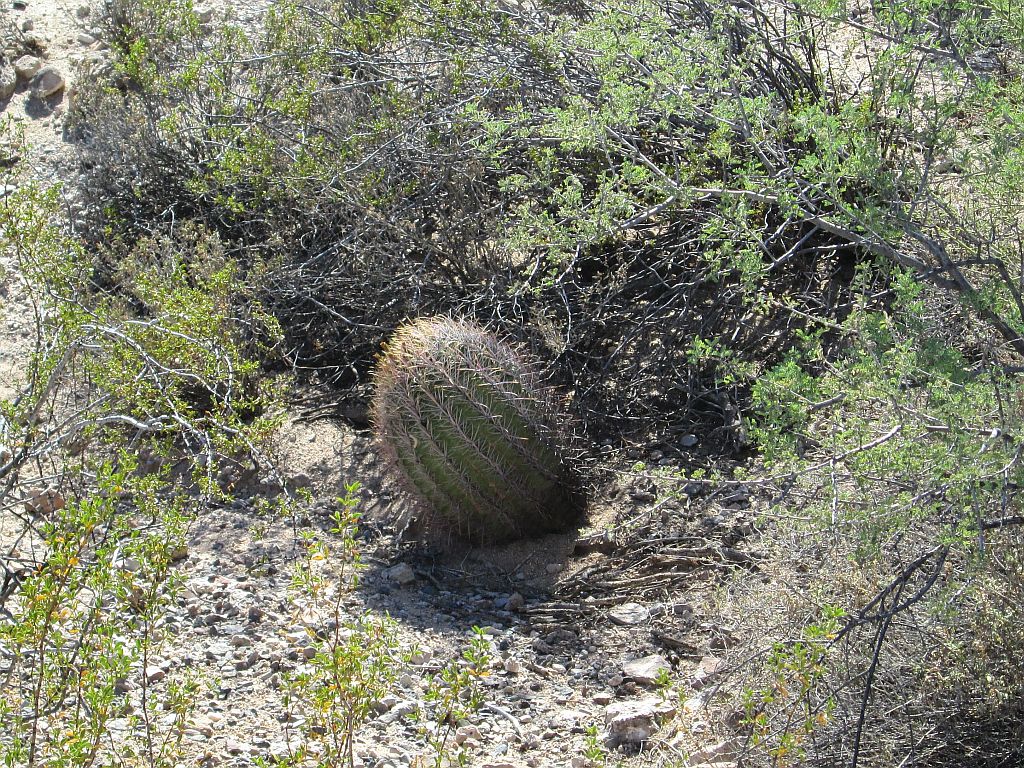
(472, 432)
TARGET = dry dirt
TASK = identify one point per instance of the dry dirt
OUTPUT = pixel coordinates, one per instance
(564, 615)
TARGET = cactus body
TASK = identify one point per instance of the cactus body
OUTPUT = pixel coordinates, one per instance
(472, 432)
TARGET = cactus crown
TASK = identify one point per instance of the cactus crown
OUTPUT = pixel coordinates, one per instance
(472, 432)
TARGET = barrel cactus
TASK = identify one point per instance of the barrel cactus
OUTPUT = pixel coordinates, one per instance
(473, 433)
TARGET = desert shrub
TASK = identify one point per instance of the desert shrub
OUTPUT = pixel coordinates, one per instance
(131, 415)
(526, 172)
(792, 230)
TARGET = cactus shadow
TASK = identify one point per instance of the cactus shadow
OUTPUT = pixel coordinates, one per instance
(455, 586)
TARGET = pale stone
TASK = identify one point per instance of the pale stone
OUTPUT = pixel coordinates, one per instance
(27, 66)
(632, 722)
(629, 614)
(647, 670)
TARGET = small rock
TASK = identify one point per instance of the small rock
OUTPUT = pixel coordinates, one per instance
(27, 25)
(632, 722)
(8, 82)
(402, 574)
(516, 602)
(84, 38)
(47, 82)
(688, 441)
(235, 747)
(27, 67)
(647, 670)
(467, 732)
(553, 567)
(709, 668)
(513, 666)
(254, 614)
(715, 754)
(299, 480)
(44, 501)
(83, 11)
(603, 699)
(628, 614)
(34, 41)
(420, 656)
(155, 674)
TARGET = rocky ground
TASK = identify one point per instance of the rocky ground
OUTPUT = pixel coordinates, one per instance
(600, 641)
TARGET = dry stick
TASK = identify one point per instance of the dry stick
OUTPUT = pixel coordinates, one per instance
(879, 641)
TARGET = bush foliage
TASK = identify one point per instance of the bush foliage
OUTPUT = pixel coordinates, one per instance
(790, 228)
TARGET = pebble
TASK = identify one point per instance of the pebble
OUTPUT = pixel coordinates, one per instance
(83, 11)
(628, 614)
(84, 38)
(647, 670)
(467, 732)
(235, 747)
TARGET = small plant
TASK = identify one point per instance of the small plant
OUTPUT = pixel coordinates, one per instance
(594, 751)
(454, 694)
(472, 431)
(356, 658)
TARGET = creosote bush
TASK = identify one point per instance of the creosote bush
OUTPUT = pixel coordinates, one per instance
(473, 432)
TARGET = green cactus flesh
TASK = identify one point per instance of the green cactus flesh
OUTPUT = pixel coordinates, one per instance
(472, 432)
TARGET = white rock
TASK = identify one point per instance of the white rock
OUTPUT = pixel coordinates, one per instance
(27, 67)
(647, 670)
(628, 614)
(155, 674)
(84, 38)
(632, 722)
(47, 82)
